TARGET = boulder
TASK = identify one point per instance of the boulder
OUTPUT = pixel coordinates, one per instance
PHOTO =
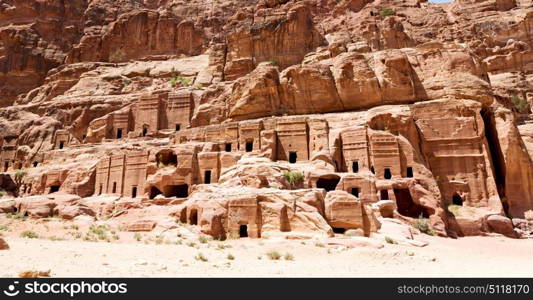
(500, 224)
(3, 244)
(141, 225)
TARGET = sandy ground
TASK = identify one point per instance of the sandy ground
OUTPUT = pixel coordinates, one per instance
(465, 257)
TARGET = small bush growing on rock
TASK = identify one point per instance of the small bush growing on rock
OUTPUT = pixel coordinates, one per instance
(2, 193)
(203, 239)
(320, 245)
(231, 257)
(201, 257)
(29, 234)
(137, 236)
(273, 255)
(384, 12)
(519, 103)
(117, 56)
(4, 227)
(390, 240)
(288, 256)
(294, 178)
(182, 80)
(423, 225)
(17, 216)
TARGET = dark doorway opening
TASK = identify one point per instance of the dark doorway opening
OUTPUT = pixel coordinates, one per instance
(54, 188)
(457, 200)
(207, 177)
(372, 170)
(166, 158)
(339, 230)
(243, 231)
(293, 156)
(227, 147)
(409, 173)
(384, 195)
(61, 145)
(134, 192)
(355, 166)
(154, 191)
(406, 206)
(35, 164)
(6, 166)
(119, 133)
(114, 187)
(193, 217)
(145, 131)
(355, 192)
(101, 189)
(329, 184)
(387, 174)
(178, 127)
(179, 191)
(249, 146)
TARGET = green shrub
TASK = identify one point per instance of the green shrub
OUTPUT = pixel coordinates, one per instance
(288, 256)
(117, 56)
(17, 216)
(423, 225)
(294, 178)
(2, 193)
(201, 257)
(184, 81)
(203, 239)
(320, 245)
(384, 12)
(273, 255)
(271, 60)
(520, 104)
(390, 240)
(231, 257)
(29, 234)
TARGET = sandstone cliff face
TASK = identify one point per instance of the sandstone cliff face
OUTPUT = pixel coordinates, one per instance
(308, 116)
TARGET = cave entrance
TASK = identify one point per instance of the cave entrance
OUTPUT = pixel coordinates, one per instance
(227, 147)
(384, 195)
(119, 133)
(54, 188)
(114, 187)
(355, 166)
(145, 131)
(406, 206)
(243, 231)
(35, 164)
(154, 191)
(293, 157)
(457, 200)
(178, 127)
(207, 177)
(387, 174)
(166, 158)
(101, 189)
(179, 191)
(193, 217)
(328, 183)
(339, 230)
(61, 145)
(249, 146)
(134, 192)
(6, 166)
(355, 192)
